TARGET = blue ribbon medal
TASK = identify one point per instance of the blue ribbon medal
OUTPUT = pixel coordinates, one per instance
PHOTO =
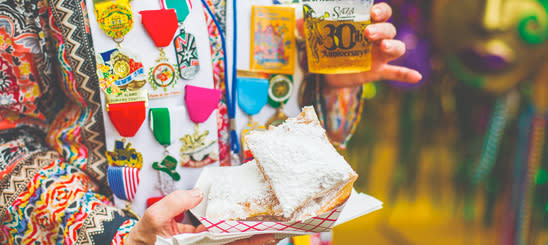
(252, 97)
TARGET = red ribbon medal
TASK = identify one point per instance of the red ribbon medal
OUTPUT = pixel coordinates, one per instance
(127, 118)
(197, 151)
(161, 25)
(127, 111)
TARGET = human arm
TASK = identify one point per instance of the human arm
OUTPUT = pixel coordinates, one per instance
(338, 98)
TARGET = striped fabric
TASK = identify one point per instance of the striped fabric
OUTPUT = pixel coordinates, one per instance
(123, 181)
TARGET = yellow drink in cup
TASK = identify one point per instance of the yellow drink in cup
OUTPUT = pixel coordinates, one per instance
(335, 36)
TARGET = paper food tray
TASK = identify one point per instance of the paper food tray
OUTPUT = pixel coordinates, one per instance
(224, 231)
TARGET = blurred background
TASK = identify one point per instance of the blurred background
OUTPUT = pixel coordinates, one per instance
(459, 158)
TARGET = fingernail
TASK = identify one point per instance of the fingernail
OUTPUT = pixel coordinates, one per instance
(372, 31)
(387, 46)
(376, 12)
(196, 193)
(420, 78)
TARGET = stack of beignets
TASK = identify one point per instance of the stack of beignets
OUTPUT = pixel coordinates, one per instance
(297, 174)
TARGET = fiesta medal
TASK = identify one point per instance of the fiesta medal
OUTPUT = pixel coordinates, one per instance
(252, 125)
(160, 124)
(188, 64)
(187, 55)
(123, 170)
(115, 18)
(197, 151)
(119, 72)
(124, 155)
(279, 91)
(123, 181)
(161, 26)
(252, 97)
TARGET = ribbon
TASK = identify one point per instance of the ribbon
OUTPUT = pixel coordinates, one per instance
(252, 94)
(132, 76)
(161, 25)
(230, 97)
(127, 118)
(160, 124)
(200, 102)
(123, 181)
(182, 7)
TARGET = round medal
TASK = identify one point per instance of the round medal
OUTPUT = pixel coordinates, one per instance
(120, 64)
(162, 76)
(118, 71)
(115, 19)
(279, 90)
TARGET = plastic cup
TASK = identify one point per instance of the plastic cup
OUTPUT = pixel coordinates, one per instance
(335, 36)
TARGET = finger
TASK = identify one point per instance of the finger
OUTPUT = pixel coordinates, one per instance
(179, 228)
(381, 12)
(200, 228)
(400, 73)
(380, 31)
(176, 203)
(390, 50)
(300, 27)
(187, 228)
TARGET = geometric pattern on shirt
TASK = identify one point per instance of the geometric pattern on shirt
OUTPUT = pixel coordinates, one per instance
(15, 182)
(18, 143)
(72, 19)
(101, 225)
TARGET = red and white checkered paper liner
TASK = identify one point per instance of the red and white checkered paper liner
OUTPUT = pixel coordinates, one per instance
(319, 223)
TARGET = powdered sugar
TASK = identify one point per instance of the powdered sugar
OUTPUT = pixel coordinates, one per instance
(240, 193)
(299, 161)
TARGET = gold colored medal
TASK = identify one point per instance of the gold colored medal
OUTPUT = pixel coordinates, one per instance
(279, 91)
(115, 18)
(197, 151)
(120, 64)
(124, 155)
(278, 118)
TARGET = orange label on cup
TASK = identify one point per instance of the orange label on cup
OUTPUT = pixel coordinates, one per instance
(335, 38)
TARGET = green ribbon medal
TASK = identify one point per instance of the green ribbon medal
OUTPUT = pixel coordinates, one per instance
(160, 123)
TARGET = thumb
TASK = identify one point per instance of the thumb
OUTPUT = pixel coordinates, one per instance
(177, 202)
